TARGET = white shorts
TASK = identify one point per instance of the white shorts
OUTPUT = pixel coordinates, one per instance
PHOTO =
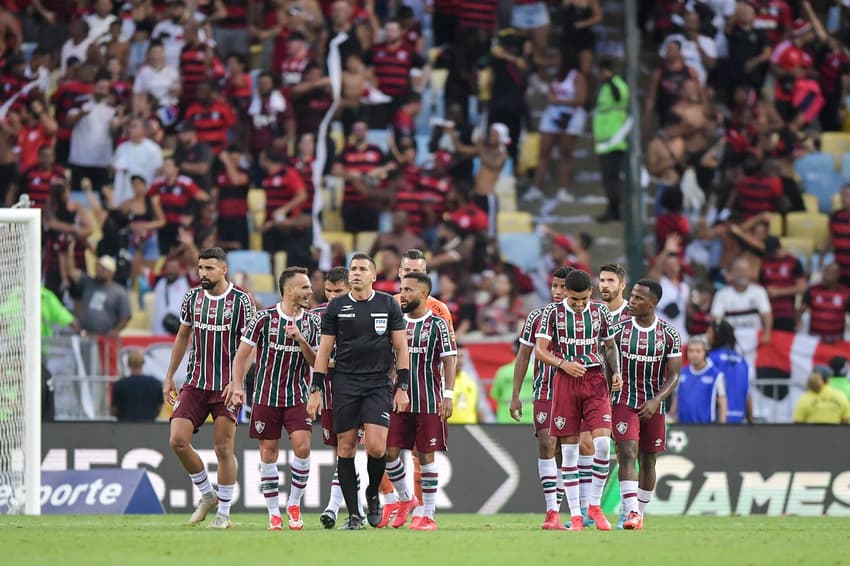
(556, 120)
(530, 16)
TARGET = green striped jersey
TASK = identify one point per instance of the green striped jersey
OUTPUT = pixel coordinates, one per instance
(429, 340)
(542, 372)
(576, 336)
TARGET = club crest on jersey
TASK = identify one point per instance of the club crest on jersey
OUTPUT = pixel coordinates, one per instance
(560, 422)
(275, 329)
(326, 433)
(259, 426)
(541, 417)
(380, 326)
(622, 427)
(228, 313)
(659, 344)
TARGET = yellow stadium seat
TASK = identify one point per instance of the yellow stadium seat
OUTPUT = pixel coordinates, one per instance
(332, 220)
(255, 241)
(803, 248)
(814, 226)
(433, 53)
(262, 282)
(811, 202)
(835, 143)
(514, 222)
(365, 241)
(256, 200)
(338, 138)
(256, 52)
(345, 239)
(777, 225)
(438, 79)
(528, 152)
(485, 83)
(836, 202)
(279, 262)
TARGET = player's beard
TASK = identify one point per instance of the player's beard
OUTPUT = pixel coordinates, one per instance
(411, 306)
(208, 284)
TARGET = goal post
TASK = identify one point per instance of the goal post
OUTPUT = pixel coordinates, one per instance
(20, 357)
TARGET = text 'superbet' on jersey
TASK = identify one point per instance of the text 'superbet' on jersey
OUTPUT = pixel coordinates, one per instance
(282, 371)
(574, 335)
(429, 341)
(217, 323)
(643, 359)
(542, 372)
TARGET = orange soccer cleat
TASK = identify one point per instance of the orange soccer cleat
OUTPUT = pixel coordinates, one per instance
(577, 523)
(553, 522)
(414, 522)
(404, 509)
(275, 523)
(634, 522)
(595, 512)
(390, 510)
(424, 524)
(295, 522)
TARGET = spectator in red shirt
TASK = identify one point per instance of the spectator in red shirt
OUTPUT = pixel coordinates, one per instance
(389, 261)
(783, 278)
(177, 194)
(212, 117)
(672, 221)
(756, 192)
(37, 129)
(404, 121)
(36, 181)
(397, 68)
(293, 65)
(272, 117)
(232, 183)
(829, 304)
(791, 60)
(284, 229)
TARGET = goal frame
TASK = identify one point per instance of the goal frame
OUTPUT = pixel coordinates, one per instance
(31, 219)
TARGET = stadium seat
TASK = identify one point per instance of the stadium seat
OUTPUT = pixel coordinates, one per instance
(811, 202)
(822, 184)
(836, 144)
(808, 225)
(816, 162)
(255, 241)
(249, 261)
(506, 193)
(523, 250)
(777, 225)
(529, 151)
(256, 200)
(365, 241)
(845, 167)
(332, 220)
(279, 262)
(262, 282)
(513, 223)
(803, 248)
(338, 138)
(345, 239)
(379, 138)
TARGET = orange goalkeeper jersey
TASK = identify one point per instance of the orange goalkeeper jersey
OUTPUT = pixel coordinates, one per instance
(438, 308)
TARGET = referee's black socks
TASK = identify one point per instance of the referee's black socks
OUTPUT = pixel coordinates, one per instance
(376, 468)
(348, 483)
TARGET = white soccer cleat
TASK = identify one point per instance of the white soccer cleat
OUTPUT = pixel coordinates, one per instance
(208, 503)
(220, 522)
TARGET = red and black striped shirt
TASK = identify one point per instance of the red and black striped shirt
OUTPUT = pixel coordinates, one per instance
(239, 96)
(232, 199)
(212, 123)
(268, 124)
(70, 94)
(237, 14)
(281, 188)
(193, 70)
(10, 85)
(36, 183)
(362, 160)
(175, 198)
(781, 272)
(757, 195)
(434, 191)
(305, 169)
(392, 65)
(291, 71)
(829, 308)
(411, 201)
(478, 14)
(839, 229)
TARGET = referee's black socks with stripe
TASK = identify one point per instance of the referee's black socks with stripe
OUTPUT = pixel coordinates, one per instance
(376, 468)
(348, 483)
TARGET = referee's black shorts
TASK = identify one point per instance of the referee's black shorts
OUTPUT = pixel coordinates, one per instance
(359, 400)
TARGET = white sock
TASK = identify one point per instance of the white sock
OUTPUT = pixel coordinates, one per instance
(225, 498)
(585, 475)
(569, 461)
(643, 498)
(628, 493)
(300, 473)
(270, 486)
(559, 482)
(547, 469)
(600, 468)
(202, 482)
(430, 481)
(336, 499)
(390, 497)
(419, 510)
(396, 474)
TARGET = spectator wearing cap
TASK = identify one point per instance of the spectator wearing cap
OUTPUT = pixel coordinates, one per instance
(137, 397)
(212, 116)
(698, 51)
(784, 279)
(92, 127)
(828, 303)
(193, 157)
(839, 379)
(790, 61)
(821, 404)
(103, 306)
(177, 193)
(138, 156)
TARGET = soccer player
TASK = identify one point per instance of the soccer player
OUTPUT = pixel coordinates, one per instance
(569, 340)
(548, 461)
(336, 284)
(433, 357)
(213, 317)
(651, 354)
(284, 337)
(368, 330)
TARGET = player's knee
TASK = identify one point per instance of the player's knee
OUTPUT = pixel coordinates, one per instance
(376, 450)
(179, 443)
(602, 447)
(546, 446)
(586, 444)
(223, 449)
(626, 452)
(268, 454)
(647, 461)
(301, 449)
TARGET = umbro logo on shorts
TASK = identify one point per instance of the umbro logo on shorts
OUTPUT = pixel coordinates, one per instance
(385, 416)
(259, 426)
(560, 422)
(606, 418)
(433, 442)
(622, 427)
(231, 408)
(309, 421)
(541, 417)
(658, 442)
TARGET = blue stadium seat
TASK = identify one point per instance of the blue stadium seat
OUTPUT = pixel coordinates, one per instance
(817, 162)
(845, 167)
(521, 249)
(378, 138)
(249, 261)
(823, 184)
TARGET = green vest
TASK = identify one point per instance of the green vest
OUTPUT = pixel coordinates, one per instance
(610, 114)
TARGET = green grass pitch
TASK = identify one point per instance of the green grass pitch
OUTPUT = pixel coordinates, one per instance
(461, 539)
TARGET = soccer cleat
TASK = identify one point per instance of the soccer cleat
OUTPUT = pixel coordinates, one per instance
(414, 522)
(275, 523)
(373, 509)
(404, 509)
(353, 523)
(588, 522)
(295, 522)
(576, 523)
(634, 522)
(620, 521)
(594, 512)
(208, 503)
(553, 522)
(424, 524)
(328, 518)
(220, 522)
(390, 510)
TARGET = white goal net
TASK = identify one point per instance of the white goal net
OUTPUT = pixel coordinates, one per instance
(20, 366)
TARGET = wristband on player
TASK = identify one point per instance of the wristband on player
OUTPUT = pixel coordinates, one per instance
(448, 394)
(318, 381)
(402, 378)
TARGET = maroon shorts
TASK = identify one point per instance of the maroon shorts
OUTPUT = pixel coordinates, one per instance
(195, 404)
(578, 401)
(542, 416)
(268, 422)
(424, 431)
(651, 435)
(328, 436)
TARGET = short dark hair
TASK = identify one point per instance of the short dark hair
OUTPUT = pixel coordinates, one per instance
(578, 281)
(213, 253)
(615, 268)
(337, 275)
(654, 288)
(420, 278)
(367, 257)
(562, 272)
(414, 254)
(288, 274)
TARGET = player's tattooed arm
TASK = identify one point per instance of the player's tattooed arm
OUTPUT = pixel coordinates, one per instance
(612, 356)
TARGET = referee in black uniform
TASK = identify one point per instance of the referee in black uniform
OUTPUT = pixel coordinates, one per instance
(366, 326)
